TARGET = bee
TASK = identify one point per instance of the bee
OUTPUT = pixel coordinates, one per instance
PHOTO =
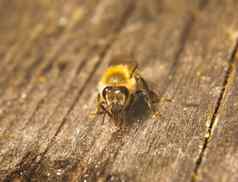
(118, 88)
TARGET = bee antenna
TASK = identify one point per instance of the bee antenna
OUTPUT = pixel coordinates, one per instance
(133, 70)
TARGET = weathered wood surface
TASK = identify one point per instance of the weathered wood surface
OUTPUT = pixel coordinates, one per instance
(52, 54)
(220, 162)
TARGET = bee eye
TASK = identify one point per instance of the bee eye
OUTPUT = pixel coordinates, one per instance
(125, 91)
(105, 91)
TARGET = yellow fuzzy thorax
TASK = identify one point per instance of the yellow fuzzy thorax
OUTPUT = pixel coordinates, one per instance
(118, 75)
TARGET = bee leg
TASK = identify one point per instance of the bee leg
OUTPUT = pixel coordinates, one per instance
(148, 94)
(118, 123)
(104, 110)
(133, 70)
(150, 97)
(103, 118)
(148, 101)
(99, 109)
(130, 103)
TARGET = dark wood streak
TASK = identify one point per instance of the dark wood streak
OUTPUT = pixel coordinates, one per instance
(50, 66)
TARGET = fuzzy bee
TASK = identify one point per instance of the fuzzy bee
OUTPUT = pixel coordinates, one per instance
(118, 88)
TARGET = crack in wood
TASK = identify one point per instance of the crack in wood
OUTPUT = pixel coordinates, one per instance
(183, 40)
(30, 163)
(219, 102)
(115, 137)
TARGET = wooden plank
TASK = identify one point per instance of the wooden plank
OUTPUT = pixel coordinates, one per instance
(39, 54)
(153, 150)
(167, 150)
(220, 160)
(47, 134)
(27, 141)
(43, 55)
(41, 46)
(19, 30)
(37, 66)
(174, 143)
(85, 149)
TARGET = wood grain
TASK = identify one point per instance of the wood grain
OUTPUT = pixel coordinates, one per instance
(90, 150)
(220, 156)
(220, 160)
(32, 109)
(50, 66)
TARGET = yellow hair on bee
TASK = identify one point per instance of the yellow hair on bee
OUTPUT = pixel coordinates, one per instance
(118, 75)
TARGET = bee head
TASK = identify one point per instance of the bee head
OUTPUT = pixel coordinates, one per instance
(116, 98)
